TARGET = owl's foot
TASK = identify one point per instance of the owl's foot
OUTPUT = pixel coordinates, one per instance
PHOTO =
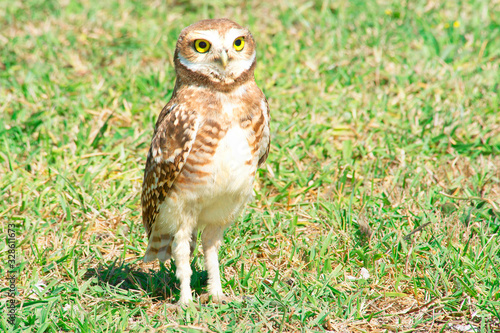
(185, 299)
(219, 299)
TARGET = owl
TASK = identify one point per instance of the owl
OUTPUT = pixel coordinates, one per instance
(207, 144)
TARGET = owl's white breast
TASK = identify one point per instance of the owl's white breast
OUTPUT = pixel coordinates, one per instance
(231, 182)
(232, 161)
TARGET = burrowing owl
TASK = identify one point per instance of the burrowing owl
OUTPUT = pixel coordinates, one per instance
(207, 144)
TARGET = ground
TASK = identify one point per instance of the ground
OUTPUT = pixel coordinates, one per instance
(377, 210)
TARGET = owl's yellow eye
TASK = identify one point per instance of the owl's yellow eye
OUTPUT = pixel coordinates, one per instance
(239, 43)
(202, 45)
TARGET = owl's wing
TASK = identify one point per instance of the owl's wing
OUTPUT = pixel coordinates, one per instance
(175, 132)
(266, 140)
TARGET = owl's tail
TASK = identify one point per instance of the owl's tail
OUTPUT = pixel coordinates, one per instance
(160, 246)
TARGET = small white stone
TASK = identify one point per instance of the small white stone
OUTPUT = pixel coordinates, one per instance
(463, 328)
(364, 274)
(40, 287)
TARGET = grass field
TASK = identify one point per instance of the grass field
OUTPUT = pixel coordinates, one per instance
(378, 209)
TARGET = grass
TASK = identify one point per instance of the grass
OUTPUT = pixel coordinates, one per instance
(385, 160)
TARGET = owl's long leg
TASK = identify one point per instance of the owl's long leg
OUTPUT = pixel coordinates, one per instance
(181, 254)
(194, 239)
(212, 238)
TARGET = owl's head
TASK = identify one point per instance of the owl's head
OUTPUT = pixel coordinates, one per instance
(215, 52)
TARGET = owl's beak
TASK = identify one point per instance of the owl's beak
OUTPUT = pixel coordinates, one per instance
(223, 58)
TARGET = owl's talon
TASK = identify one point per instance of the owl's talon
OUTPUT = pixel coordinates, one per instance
(222, 299)
(248, 299)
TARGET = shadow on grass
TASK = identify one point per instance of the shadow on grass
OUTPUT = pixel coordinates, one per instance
(161, 285)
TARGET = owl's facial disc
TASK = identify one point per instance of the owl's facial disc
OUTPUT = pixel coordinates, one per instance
(229, 55)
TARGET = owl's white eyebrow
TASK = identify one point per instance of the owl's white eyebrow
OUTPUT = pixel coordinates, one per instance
(210, 35)
(234, 33)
